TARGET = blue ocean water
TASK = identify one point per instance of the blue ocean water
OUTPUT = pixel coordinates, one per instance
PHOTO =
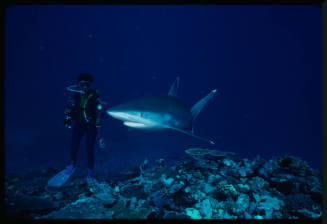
(264, 61)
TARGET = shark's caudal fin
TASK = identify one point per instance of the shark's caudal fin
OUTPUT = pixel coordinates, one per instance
(201, 103)
(174, 88)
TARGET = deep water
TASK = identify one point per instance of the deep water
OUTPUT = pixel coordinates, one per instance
(264, 61)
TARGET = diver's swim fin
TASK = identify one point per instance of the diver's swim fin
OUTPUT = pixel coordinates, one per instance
(60, 178)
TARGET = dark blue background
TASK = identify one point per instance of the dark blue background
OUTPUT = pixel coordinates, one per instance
(265, 62)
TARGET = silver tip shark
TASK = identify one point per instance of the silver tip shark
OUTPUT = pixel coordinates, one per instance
(161, 112)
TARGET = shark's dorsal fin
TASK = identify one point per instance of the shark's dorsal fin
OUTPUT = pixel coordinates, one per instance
(174, 88)
(201, 103)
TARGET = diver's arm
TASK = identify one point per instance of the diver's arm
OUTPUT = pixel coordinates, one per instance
(71, 104)
(100, 111)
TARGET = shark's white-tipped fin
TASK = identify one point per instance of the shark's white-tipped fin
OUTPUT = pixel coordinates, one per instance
(201, 103)
(174, 88)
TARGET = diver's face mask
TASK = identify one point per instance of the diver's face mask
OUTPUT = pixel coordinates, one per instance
(84, 84)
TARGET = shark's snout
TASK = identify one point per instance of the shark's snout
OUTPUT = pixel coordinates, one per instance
(117, 114)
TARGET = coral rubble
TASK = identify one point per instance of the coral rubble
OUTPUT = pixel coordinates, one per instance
(198, 187)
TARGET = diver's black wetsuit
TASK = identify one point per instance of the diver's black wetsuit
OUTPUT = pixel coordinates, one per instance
(84, 109)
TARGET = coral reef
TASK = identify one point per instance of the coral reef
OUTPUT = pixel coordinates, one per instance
(198, 187)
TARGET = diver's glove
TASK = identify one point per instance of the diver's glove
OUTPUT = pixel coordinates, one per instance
(68, 122)
(102, 143)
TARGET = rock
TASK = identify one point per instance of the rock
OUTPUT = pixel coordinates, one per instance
(242, 172)
(247, 215)
(206, 164)
(133, 202)
(176, 187)
(258, 162)
(228, 162)
(268, 204)
(160, 162)
(282, 185)
(198, 195)
(244, 188)
(105, 194)
(120, 211)
(227, 188)
(207, 188)
(133, 190)
(252, 207)
(107, 198)
(166, 181)
(183, 199)
(242, 204)
(206, 209)
(296, 202)
(305, 213)
(193, 213)
(27, 205)
(268, 168)
(220, 195)
(175, 215)
(84, 207)
(258, 217)
(140, 203)
(257, 183)
(214, 179)
(285, 161)
(59, 196)
(143, 166)
(161, 201)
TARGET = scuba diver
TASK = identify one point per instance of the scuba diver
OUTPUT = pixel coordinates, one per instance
(84, 113)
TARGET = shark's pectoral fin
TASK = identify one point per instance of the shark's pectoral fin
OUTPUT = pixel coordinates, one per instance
(174, 88)
(192, 134)
(201, 103)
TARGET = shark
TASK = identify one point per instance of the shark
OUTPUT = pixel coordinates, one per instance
(161, 112)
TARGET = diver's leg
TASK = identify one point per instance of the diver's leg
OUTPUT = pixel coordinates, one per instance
(77, 135)
(90, 141)
(62, 177)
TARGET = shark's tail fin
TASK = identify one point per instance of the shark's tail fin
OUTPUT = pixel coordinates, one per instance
(201, 103)
(174, 88)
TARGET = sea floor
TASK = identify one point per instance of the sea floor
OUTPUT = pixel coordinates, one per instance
(196, 187)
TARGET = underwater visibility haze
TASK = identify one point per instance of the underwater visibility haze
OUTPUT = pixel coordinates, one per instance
(170, 111)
